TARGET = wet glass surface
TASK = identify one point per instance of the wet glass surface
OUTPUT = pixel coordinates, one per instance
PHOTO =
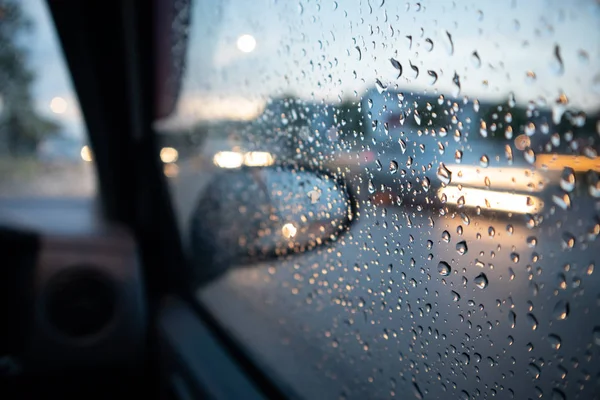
(468, 134)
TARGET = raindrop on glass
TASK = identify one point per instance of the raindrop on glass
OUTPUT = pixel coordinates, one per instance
(444, 269)
(446, 236)
(532, 321)
(512, 318)
(484, 161)
(481, 281)
(561, 310)
(529, 155)
(534, 370)
(461, 247)
(396, 64)
(554, 341)
(567, 179)
(444, 174)
(475, 59)
(455, 296)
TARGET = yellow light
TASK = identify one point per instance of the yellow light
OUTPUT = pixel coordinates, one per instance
(86, 154)
(246, 43)
(520, 179)
(491, 199)
(289, 230)
(58, 105)
(258, 159)
(171, 170)
(228, 159)
(555, 162)
(168, 155)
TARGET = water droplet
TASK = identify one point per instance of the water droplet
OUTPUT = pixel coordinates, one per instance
(441, 148)
(396, 64)
(532, 321)
(425, 184)
(403, 146)
(561, 281)
(458, 156)
(514, 257)
(532, 241)
(460, 202)
(484, 161)
(567, 179)
(444, 269)
(530, 129)
(557, 62)
(461, 247)
(456, 81)
(596, 335)
(561, 310)
(475, 59)
(554, 341)
(446, 236)
(590, 152)
(465, 359)
(529, 155)
(371, 187)
(450, 43)
(433, 75)
(417, 391)
(534, 370)
(563, 200)
(568, 240)
(429, 46)
(359, 53)
(557, 394)
(444, 174)
(512, 318)
(378, 165)
(417, 117)
(481, 281)
(594, 184)
(455, 296)
(483, 129)
(380, 86)
(414, 68)
(530, 77)
(508, 153)
(393, 167)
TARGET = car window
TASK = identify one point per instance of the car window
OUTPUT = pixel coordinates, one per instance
(452, 149)
(43, 147)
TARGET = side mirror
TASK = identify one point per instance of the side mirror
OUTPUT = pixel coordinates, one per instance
(255, 214)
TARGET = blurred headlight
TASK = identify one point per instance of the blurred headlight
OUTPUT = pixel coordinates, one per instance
(258, 159)
(491, 199)
(228, 159)
(168, 155)
(86, 154)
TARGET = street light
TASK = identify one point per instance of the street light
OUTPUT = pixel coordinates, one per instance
(246, 43)
(58, 105)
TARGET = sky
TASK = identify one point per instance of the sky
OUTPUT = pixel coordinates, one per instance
(46, 60)
(324, 51)
(327, 50)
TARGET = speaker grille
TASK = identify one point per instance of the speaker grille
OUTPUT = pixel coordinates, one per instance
(80, 302)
